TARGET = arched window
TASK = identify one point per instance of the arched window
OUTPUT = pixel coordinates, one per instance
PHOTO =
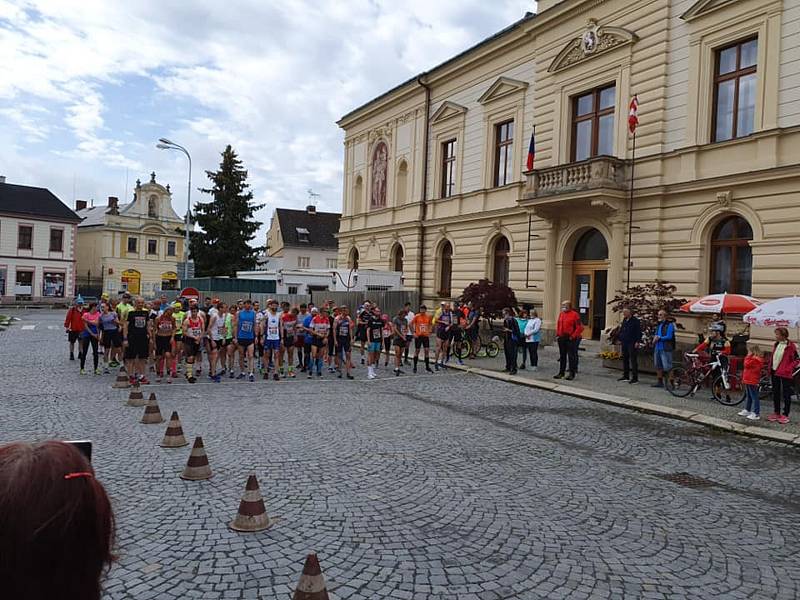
(352, 259)
(732, 257)
(446, 269)
(591, 246)
(397, 258)
(500, 261)
(401, 189)
(152, 207)
(358, 195)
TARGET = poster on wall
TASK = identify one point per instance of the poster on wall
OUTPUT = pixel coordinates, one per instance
(53, 285)
(131, 281)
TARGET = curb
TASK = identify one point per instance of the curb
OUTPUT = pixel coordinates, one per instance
(763, 433)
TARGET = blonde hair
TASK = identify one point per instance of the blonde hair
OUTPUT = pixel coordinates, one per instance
(755, 349)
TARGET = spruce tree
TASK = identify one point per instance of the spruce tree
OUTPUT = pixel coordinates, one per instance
(227, 222)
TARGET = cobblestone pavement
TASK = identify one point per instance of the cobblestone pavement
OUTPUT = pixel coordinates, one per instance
(594, 376)
(428, 487)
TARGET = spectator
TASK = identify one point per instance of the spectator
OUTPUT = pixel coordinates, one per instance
(568, 333)
(533, 335)
(57, 523)
(522, 323)
(751, 376)
(630, 335)
(663, 347)
(73, 323)
(784, 358)
(511, 336)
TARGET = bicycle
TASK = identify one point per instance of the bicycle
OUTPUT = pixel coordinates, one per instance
(482, 349)
(726, 387)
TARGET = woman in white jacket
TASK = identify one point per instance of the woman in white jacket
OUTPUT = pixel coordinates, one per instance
(533, 335)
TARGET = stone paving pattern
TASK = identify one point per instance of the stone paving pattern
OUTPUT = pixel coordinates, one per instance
(426, 487)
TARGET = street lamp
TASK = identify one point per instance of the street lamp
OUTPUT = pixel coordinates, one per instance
(165, 144)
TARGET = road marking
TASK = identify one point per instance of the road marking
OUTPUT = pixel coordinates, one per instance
(28, 327)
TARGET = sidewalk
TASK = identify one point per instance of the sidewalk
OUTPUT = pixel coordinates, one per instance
(595, 382)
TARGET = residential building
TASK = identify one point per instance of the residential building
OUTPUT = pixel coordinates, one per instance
(37, 245)
(132, 247)
(302, 239)
(305, 281)
(435, 176)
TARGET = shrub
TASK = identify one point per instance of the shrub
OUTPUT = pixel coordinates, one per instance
(646, 300)
(492, 297)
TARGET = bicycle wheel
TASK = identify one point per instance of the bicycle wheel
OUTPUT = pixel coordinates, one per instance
(492, 349)
(481, 352)
(463, 350)
(730, 396)
(679, 382)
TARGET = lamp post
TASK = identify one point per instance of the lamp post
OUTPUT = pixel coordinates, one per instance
(165, 144)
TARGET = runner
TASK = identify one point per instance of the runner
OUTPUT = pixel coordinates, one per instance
(111, 337)
(192, 338)
(330, 355)
(363, 316)
(308, 338)
(443, 323)
(90, 336)
(289, 326)
(456, 334)
(135, 339)
(300, 339)
(388, 333)
(244, 329)
(211, 316)
(271, 336)
(343, 332)
(230, 347)
(258, 351)
(422, 325)
(217, 331)
(73, 323)
(409, 331)
(165, 342)
(375, 341)
(179, 315)
(320, 327)
(399, 330)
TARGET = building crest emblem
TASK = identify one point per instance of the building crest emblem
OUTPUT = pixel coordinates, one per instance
(589, 38)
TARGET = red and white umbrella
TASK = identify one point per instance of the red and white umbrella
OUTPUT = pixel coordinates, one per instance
(737, 304)
(783, 312)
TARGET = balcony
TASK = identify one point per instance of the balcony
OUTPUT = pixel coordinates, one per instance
(599, 175)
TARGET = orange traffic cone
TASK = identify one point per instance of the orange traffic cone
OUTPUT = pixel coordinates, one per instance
(312, 584)
(136, 398)
(152, 414)
(197, 467)
(173, 438)
(252, 515)
(122, 381)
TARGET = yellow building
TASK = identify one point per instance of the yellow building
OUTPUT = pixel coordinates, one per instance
(435, 178)
(132, 247)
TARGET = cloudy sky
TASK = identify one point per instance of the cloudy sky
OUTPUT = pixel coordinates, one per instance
(87, 87)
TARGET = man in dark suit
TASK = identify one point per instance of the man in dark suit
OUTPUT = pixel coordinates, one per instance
(630, 335)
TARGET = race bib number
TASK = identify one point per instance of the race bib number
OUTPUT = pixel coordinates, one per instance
(140, 322)
(247, 326)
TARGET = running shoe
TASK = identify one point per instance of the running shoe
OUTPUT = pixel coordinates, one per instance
(783, 419)
(275, 377)
(113, 364)
(106, 371)
(241, 376)
(231, 375)
(349, 376)
(83, 371)
(192, 380)
(339, 376)
(753, 416)
(773, 417)
(217, 379)
(144, 381)
(222, 373)
(292, 375)
(744, 413)
(310, 375)
(252, 378)
(266, 376)
(169, 379)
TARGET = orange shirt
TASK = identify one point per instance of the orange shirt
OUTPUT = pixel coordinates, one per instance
(421, 324)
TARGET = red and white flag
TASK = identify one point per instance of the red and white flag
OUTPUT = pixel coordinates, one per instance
(633, 114)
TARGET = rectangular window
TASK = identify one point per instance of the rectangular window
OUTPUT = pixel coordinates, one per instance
(24, 284)
(133, 244)
(3, 278)
(152, 246)
(735, 91)
(593, 123)
(171, 246)
(302, 234)
(56, 240)
(448, 168)
(292, 289)
(53, 285)
(331, 263)
(25, 237)
(503, 153)
(303, 262)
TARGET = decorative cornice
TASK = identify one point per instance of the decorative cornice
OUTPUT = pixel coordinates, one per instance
(448, 110)
(595, 40)
(502, 87)
(703, 7)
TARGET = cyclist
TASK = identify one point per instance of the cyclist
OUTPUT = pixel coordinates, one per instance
(717, 346)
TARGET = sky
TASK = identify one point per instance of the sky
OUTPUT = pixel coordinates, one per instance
(88, 87)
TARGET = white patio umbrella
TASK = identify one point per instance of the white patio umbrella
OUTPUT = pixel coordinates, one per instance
(783, 312)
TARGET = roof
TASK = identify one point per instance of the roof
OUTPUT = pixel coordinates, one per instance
(322, 228)
(95, 215)
(528, 16)
(34, 202)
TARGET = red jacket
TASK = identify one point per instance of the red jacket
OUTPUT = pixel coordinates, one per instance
(788, 361)
(74, 320)
(569, 325)
(753, 365)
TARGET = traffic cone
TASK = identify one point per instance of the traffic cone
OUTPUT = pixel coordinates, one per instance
(136, 398)
(152, 414)
(312, 583)
(197, 466)
(173, 438)
(122, 381)
(252, 515)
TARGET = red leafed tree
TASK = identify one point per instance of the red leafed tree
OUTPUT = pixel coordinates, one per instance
(492, 297)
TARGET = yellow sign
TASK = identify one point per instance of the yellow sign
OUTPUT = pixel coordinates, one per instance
(132, 280)
(169, 275)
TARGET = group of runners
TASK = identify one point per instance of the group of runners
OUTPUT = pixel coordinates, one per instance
(276, 342)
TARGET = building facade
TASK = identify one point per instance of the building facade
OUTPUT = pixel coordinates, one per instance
(302, 239)
(132, 247)
(37, 245)
(435, 176)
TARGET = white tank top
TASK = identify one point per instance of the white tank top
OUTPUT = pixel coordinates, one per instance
(273, 327)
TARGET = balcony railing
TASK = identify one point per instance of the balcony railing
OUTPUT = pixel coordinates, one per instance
(601, 172)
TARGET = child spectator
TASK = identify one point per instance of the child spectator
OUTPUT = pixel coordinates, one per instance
(753, 365)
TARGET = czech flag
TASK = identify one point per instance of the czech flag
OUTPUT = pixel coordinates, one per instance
(633, 114)
(531, 150)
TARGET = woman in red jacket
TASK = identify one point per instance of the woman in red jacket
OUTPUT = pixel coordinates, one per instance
(781, 367)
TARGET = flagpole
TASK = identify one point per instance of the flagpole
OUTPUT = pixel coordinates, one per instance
(630, 212)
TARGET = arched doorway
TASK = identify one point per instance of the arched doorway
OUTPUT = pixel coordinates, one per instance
(590, 281)
(500, 260)
(397, 258)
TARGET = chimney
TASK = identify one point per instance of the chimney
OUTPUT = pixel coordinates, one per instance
(80, 204)
(113, 205)
(2, 178)
(311, 209)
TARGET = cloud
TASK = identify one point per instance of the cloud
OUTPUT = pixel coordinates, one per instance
(93, 84)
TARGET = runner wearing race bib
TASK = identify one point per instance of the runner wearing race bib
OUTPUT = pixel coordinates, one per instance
(289, 326)
(320, 327)
(271, 336)
(343, 328)
(192, 334)
(421, 326)
(244, 337)
(165, 338)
